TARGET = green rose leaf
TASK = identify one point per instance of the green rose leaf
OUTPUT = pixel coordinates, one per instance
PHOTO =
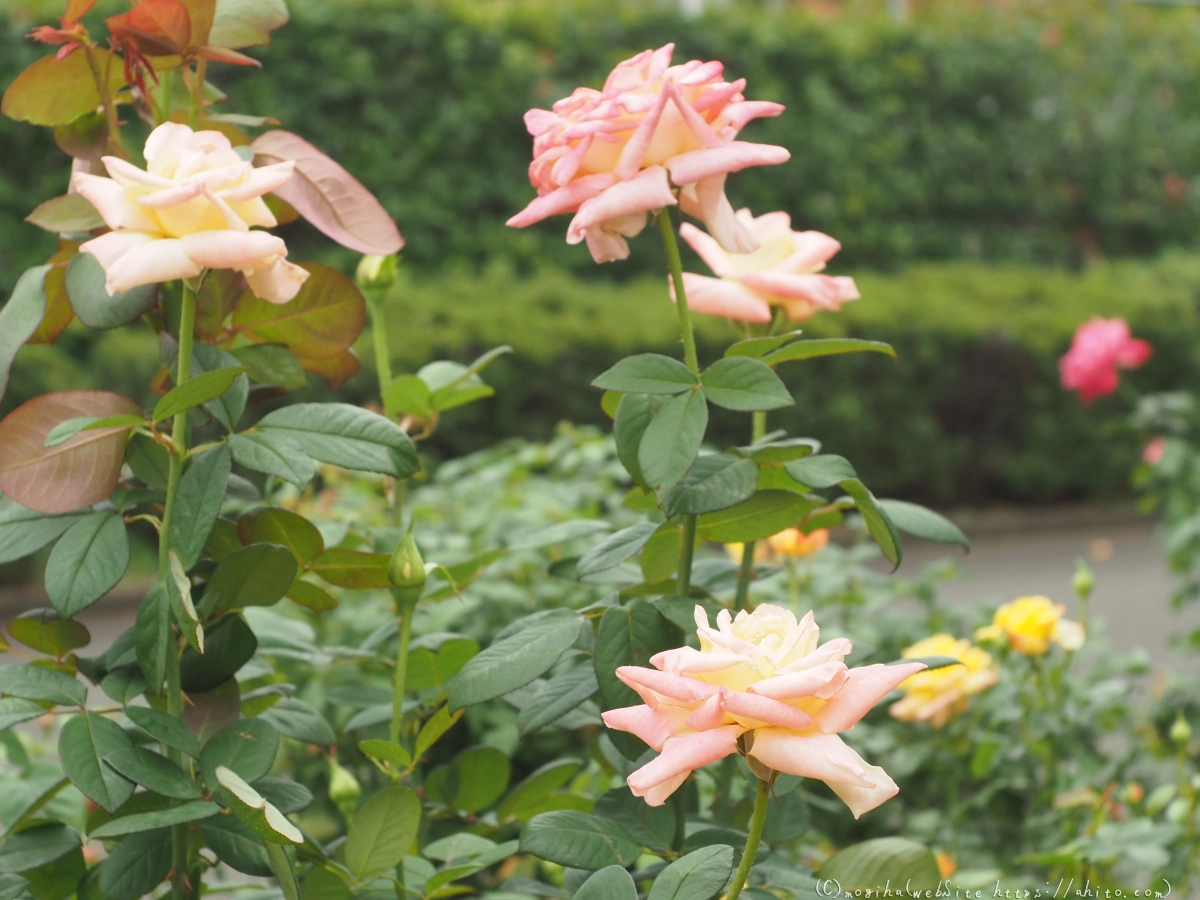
(821, 471)
(258, 575)
(757, 348)
(24, 531)
(346, 436)
(634, 413)
(764, 514)
(672, 440)
(36, 846)
(745, 384)
(273, 454)
(47, 632)
(557, 697)
(575, 839)
(698, 876)
(248, 747)
(165, 729)
(713, 482)
(93, 305)
(610, 883)
(151, 634)
(82, 745)
(294, 718)
(811, 349)
(879, 523)
(648, 373)
(160, 818)
(275, 525)
(924, 523)
(873, 863)
(615, 549)
(228, 645)
(137, 865)
(382, 832)
(87, 562)
(39, 683)
(20, 318)
(198, 503)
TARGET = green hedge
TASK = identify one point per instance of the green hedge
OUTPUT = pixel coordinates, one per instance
(970, 413)
(963, 135)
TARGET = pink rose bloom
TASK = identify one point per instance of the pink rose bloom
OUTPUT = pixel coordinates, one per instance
(1152, 453)
(758, 685)
(190, 210)
(1099, 349)
(611, 156)
(783, 271)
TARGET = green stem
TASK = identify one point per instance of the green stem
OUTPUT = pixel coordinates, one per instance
(406, 602)
(757, 820)
(115, 144)
(667, 228)
(187, 321)
(379, 338)
(745, 573)
(198, 91)
(162, 110)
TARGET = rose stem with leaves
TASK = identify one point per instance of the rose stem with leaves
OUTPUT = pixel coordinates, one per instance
(187, 321)
(757, 820)
(687, 547)
(116, 146)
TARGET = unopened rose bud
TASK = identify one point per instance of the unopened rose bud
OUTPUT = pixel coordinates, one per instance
(376, 273)
(407, 569)
(1181, 731)
(344, 789)
(1084, 581)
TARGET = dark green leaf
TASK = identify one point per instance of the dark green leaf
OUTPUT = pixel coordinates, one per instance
(229, 644)
(151, 634)
(698, 876)
(757, 348)
(14, 711)
(24, 531)
(672, 440)
(273, 454)
(764, 514)
(628, 636)
(39, 683)
(616, 548)
(352, 568)
(713, 483)
(475, 780)
(409, 394)
(822, 471)
(87, 562)
(826, 347)
(346, 436)
(537, 786)
(286, 796)
(149, 460)
(91, 301)
(36, 846)
(648, 373)
(275, 525)
(310, 596)
(382, 832)
(247, 746)
(296, 719)
(516, 660)
(20, 318)
(82, 745)
(45, 631)
(432, 665)
(196, 392)
(271, 364)
(236, 845)
(924, 523)
(660, 556)
(610, 883)
(137, 865)
(878, 522)
(575, 839)
(198, 503)
(651, 826)
(782, 451)
(745, 384)
(165, 729)
(629, 426)
(873, 863)
(179, 595)
(557, 697)
(163, 818)
(227, 408)
(258, 575)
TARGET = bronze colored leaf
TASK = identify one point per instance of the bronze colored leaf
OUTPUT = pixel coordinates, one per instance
(76, 473)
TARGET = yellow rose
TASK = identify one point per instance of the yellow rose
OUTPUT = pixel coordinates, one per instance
(790, 542)
(1030, 624)
(938, 695)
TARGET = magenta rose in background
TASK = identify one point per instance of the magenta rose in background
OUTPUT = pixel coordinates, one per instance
(759, 679)
(783, 272)
(191, 209)
(1101, 348)
(611, 156)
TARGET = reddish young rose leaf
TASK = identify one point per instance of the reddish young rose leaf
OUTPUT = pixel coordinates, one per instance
(328, 196)
(77, 9)
(321, 321)
(335, 370)
(56, 91)
(58, 305)
(201, 14)
(154, 27)
(225, 55)
(71, 475)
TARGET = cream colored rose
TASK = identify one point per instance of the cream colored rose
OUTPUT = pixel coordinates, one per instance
(191, 209)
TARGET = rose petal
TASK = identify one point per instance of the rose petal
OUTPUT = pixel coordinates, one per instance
(708, 249)
(812, 250)
(865, 686)
(648, 191)
(563, 200)
(682, 755)
(696, 165)
(838, 648)
(233, 249)
(634, 151)
(108, 248)
(151, 263)
(736, 115)
(128, 175)
(860, 799)
(279, 283)
(717, 297)
(822, 756)
(605, 246)
(259, 181)
(668, 684)
(113, 203)
(823, 681)
(690, 661)
(706, 201)
(762, 710)
(164, 147)
(653, 726)
(825, 291)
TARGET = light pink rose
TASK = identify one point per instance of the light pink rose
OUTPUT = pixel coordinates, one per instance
(191, 209)
(1099, 349)
(611, 156)
(783, 272)
(760, 678)
(1152, 453)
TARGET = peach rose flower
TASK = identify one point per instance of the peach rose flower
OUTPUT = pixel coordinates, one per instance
(191, 209)
(611, 156)
(759, 685)
(784, 271)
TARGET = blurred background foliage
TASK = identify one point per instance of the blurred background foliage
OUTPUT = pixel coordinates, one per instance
(996, 175)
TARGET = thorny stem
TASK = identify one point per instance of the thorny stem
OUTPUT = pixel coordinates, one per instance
(187, 322)
(757, 820)
(683, 580)
(115, 144)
